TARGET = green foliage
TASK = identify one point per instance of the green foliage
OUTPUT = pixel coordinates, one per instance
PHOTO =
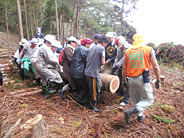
(161, 119)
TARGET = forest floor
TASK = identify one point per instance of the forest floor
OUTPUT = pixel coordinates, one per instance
(65, 118)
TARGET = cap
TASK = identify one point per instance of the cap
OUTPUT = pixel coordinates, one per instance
(96, 36)
(72, 38)
(110, 34)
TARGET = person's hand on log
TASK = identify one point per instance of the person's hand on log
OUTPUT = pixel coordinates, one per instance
(114, 69)
(157, 84)
(102, 69)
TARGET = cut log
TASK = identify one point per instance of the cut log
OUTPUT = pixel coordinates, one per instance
(28, 93)
(110, 83)
(35, 128)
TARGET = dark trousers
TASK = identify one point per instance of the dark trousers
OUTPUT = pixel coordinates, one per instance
(124, 91)
(82, 88)
(95, 86)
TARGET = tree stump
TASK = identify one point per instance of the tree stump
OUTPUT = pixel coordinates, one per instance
(110, 83)
(35, 128)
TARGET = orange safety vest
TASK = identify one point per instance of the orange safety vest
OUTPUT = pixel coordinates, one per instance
(137, 60)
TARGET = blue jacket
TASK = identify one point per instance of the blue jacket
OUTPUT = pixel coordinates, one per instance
(79, 61)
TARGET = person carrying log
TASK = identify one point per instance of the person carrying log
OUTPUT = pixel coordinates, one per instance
(76, 71)
(96, 58)
(136, 67)
(46, 64)
(67, 59)
(122, 45)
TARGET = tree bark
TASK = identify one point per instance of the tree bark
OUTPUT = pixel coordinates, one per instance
(63, 25)
(35, 127)
(19, 20)
(57, 25)
(27, 28)
(7, 30)
(110, 83)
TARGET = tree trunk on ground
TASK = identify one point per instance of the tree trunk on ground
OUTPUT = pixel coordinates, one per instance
(57, 25)
(19, 20)
(27, 28)
(35, 128)
(110, 83)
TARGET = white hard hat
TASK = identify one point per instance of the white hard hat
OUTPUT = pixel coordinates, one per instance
(110, 34)
(72, 38)
(50, 38)
(56, 43)
(23, 42)
(34, 41)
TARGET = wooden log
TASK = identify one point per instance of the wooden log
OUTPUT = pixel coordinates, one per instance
(11, 129)
(35, 127)
(110, 83)
(22, 91)
(28, 93)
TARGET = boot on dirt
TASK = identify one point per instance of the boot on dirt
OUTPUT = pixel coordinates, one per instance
(129, 113)
(141, 118)
(95, 108)
(38, 82)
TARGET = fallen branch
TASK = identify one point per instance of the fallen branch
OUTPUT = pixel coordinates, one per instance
(74, 100)
(12, 128)
(28, 93)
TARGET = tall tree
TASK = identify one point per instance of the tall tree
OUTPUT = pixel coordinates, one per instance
(27, 27)
(19, 19)
(57, 25)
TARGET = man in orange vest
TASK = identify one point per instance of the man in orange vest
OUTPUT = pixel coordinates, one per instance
(136, 67)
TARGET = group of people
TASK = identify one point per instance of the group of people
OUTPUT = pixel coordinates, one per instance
(76, 66)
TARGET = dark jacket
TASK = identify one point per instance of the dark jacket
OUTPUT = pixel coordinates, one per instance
(78, 64)
(110, 52)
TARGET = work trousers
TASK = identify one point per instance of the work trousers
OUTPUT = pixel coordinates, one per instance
(141, 93)
(82, 88)
(49, 74)
(95, 86)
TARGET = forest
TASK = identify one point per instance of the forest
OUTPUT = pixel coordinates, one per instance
(25, 113)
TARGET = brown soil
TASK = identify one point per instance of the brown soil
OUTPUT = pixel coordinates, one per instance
(66, 118)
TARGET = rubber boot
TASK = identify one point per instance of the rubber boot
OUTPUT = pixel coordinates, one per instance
(52, 87)
(46, 95)
(141, 118)
(95, 108)
(38, 82)
(129, 113)
(60, 91)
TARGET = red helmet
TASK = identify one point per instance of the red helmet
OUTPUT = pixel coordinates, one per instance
(117, 41)
(86, 40)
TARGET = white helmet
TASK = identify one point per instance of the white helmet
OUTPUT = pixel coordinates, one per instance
(111, 34)
(50, 38)
(34, 41)
(56, 43)
(72, 38)
(23, 42)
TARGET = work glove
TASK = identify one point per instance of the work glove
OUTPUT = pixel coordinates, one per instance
(18, 60)
(114, 69)
(108, 61)
(124, 83)
(102, 69)
(157, 84)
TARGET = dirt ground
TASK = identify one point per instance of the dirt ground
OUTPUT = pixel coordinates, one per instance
(65, 118)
